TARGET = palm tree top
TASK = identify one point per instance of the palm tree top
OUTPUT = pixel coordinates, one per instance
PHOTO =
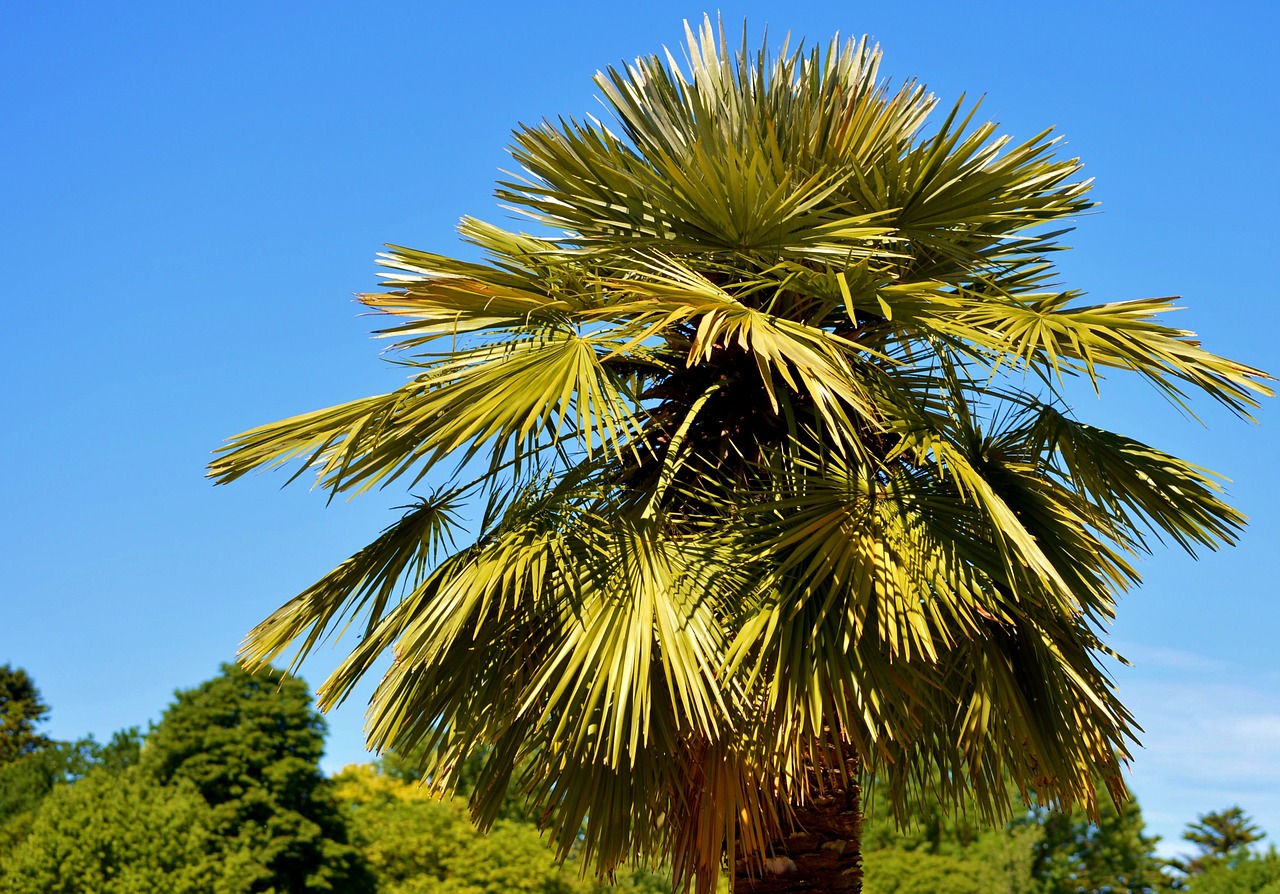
(769, 423)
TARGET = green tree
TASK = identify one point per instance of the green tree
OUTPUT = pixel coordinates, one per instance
(1039, 850)
(21, 711)
(1221, 837)
(919, 872)
(27, 781)
(124, 833)
(932, 849)
(780, 486)
(417, 843)
(1248, 873)
(250, 745)
(1109, 853)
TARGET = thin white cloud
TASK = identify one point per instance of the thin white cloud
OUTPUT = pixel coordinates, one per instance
(1212, 739)
(1174, 659)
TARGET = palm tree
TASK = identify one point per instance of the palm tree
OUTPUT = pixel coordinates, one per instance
(780, 488)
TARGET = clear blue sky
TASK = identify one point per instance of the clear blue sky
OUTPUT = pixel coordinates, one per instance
(191, 193)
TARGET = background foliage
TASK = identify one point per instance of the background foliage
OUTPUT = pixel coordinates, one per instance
(251, 745)
(131, 817)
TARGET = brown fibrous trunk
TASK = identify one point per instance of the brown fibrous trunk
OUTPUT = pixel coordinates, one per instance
(821, 852)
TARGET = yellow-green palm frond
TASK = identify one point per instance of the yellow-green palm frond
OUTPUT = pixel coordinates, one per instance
(772, 474)
(541, 387)
(364, 585)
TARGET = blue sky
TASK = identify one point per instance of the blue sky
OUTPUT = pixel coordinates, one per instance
(191, 194)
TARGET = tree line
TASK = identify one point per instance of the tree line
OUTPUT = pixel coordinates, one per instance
(224, 795)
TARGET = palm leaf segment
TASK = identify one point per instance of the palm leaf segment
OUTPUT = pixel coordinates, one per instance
(767, 487)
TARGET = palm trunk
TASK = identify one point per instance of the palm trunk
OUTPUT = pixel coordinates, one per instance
(822, 853)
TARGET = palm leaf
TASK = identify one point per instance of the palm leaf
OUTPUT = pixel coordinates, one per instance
(771, 475)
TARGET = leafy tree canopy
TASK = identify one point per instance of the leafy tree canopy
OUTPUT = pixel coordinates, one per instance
(417, 843)
(917, 872)
(125, 834)
(1107, 853)
(250, 745)
(1247, 874)
(1220, 837)
(21, 712)
(1039, 849)
(27, 781)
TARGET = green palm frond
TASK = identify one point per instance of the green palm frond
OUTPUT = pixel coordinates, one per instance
(773, 475)
(542, 386)
(1041, 330)
(362, 585)
(1138, 486)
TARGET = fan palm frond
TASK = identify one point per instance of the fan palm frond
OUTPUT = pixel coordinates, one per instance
(766, 500)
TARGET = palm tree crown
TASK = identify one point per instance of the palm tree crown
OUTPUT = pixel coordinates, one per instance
(777, 470)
